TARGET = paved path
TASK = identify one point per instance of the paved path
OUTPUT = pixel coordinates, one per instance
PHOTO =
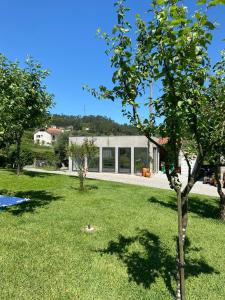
(157, 180)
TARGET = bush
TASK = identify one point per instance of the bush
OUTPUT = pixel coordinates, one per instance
(26, 157)
(45, 158)
(3, 160)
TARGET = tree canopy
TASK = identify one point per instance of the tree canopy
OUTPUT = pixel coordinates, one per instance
(24, 100)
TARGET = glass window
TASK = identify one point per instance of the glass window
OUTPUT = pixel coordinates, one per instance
(141, 159)
(124, 160)
(93, 162)
(108, 159)
(75, 164)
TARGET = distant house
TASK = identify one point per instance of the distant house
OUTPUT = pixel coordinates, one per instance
(47, 137)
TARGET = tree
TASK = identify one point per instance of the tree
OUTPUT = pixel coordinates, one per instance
(26, 157)
(61, 147)
(214, 125)
(171, 49)
(24, 100)
(79, 153)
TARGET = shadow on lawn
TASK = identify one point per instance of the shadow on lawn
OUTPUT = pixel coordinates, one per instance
(87, 187)
(37, 174)
(201, 207)
(12, 172)
(37, 199)
(153, 260)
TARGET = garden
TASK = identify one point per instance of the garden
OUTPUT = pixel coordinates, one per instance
(47, 254)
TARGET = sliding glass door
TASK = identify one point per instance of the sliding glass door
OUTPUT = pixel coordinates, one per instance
(108, 159)
(141, 159)
(93, 162)
(124, 156)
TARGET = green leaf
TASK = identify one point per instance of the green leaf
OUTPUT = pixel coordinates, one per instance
(216, 2)
(124, 30)
(115, 29)
(212, 3)
(210, 25)
(178, 21)
(160, 2)
(201, 2)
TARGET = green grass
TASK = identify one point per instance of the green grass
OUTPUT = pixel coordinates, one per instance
(45, 254)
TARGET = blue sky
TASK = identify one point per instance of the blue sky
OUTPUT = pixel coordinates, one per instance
(61, 35)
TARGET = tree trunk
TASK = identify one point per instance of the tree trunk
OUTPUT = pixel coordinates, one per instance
(81, 179)
(182, 210)
(180, 251)
(18, 150)
(192, 178)
(222, 207)
(221, 194)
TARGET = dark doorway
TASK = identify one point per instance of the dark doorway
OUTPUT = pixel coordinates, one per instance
(108, 159)
(93, 162)
(124, 160)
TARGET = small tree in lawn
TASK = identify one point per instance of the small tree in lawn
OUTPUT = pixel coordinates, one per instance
(79, 153)
(171, 48)
(24, 100)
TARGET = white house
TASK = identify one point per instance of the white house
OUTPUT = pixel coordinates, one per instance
(47, 137)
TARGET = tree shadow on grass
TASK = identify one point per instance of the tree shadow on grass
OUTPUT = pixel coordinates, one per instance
(153, 260)
(202, 207)
(37, 200)
(37, 174)
(88, 187)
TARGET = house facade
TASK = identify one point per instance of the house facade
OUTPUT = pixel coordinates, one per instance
(47, 137)
(120, 154)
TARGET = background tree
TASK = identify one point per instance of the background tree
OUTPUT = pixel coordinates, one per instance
(61, 147)
(214, 125)
(93, 125)
(24, 100)
(171, 49)
(79, 153)
(26, 157)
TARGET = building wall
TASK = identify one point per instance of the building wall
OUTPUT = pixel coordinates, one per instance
(117, 142)
(184, 165)
(43, 138)
(222, 171)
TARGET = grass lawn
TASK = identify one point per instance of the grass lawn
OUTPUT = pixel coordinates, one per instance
(44, 254)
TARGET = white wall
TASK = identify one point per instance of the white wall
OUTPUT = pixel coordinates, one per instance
(114, 141)
(43, 138)
(184, 165)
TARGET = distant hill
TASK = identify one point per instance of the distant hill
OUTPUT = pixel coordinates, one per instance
(92, 125)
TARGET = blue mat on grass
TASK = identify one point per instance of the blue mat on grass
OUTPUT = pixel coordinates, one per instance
(9, 201)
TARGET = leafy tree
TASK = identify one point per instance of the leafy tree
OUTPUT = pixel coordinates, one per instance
(171, 48)
(24, 100)
(26, 157)
(45, 158)
(79, 153)
(214, 124)
(61, 147)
